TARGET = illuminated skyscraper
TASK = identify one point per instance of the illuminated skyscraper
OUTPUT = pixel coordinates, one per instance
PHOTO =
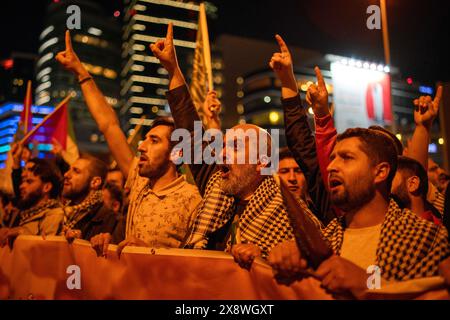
(97, 44)
(144, 80)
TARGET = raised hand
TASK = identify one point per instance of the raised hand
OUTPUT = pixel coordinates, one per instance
(281, 62)
(69, 59)
(426, 109)
(317, 96)
(211, 109)
(164, 50)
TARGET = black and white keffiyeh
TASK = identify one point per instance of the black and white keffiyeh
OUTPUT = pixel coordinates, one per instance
(409, 247)
(264, 221)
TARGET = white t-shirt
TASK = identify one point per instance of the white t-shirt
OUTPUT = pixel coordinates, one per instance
(360, 245)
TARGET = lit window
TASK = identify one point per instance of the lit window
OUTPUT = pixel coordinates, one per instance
(274, 117)
(95, 31)
(110, 74)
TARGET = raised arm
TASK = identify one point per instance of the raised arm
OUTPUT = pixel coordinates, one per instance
(298, 133)
(183, 110)
(425, 111)
(317, 98)
(211, 109)
(102, 112)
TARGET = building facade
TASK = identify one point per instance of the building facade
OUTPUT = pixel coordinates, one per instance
(97, 44)
(144, 81)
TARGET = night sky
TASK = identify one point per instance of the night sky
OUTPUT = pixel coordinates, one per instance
(419, 30)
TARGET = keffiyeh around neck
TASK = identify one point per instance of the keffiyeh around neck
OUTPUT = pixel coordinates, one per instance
(73, 214)
(28, 214)
(264, 221)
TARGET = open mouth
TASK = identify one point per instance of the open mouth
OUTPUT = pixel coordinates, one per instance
(142, 160)
(225, 171)
(334, 183)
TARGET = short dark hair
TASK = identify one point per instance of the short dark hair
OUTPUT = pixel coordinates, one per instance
(163, 121)
(285, 153)
(97, 168)
(168, 122)
(410, 167)
(397, 143)
(377, 146)
(48, 172)
(115, 192)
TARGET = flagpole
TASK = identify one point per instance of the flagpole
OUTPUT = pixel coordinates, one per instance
(33, 131)
(136, 130)
(27, 106)
(206, 47)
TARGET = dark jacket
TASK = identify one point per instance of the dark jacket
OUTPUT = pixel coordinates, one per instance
(184, 115)
(302, 144)
(100, 220)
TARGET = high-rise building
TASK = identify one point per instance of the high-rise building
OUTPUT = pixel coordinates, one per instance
(14, 74)
(144, 80)
(97, 44)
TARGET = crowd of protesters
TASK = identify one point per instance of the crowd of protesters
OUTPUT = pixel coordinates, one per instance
(373, 201)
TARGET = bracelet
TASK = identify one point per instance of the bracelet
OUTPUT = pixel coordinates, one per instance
(84, 80)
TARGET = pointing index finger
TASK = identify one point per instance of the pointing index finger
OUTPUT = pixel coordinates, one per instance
(68, 41)
(320, 81)
(169, 35)
(438, 97)
(282, 44)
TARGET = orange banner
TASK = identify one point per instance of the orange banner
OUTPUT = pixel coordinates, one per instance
(54, 269)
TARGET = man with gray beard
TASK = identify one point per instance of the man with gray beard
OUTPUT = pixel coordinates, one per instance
(242, 209)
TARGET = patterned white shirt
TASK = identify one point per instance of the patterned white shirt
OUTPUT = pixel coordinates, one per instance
(161, 218)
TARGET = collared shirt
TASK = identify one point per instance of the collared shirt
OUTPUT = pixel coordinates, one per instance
(160, 218)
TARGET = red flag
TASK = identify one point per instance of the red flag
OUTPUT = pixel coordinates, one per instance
(58, 126)
(54, 127)
(26, 115)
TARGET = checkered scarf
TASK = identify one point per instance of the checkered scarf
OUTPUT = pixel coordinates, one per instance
(74, 214)
(409, 247)
(264, 221)
(35, 211)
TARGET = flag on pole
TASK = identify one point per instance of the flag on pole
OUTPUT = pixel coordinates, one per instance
(26, 116)
(57, 126)
(201, 81)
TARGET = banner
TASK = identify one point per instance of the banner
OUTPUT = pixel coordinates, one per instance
(201, 81)
(362, 97)
(54, 269)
